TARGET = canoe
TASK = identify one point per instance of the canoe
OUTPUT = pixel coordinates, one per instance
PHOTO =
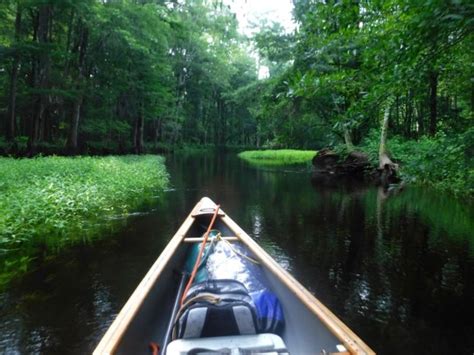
(310, 327)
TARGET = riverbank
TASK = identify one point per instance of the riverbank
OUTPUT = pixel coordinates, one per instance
(278, 157)
(51, 202)
(443, 162)
(19, 148)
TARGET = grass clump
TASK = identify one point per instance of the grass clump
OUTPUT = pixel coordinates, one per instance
(49, 202)
(279, 157)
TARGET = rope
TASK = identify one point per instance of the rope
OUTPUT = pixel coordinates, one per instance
(198, 260)
(219, 237)
(209, 297)
(154, 347)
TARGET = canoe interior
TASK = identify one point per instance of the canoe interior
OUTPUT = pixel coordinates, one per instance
(304, 332)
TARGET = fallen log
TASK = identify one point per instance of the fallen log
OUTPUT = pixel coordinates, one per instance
(329, 162)
(356, 165)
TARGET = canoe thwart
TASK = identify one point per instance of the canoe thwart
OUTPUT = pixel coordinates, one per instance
(199, 240)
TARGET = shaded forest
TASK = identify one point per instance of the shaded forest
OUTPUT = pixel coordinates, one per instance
(121, 76)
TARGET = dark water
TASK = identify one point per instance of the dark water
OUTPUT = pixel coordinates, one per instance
(398, 270)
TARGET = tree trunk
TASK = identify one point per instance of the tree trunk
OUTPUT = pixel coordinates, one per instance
(421, 122)
(348, 139)
(409, 114)
(11, 112)
(387, 168)
(383, 135)
(41, 78)
(433, 101)
(257, 137)
(216, 119)
(223, 120)
(80, 48)
(74, 129)
(397, 113)
(219, 121)
(138, 131)
(156, 130)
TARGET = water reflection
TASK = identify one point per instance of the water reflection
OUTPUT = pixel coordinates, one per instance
(397, 268)
(257, 223)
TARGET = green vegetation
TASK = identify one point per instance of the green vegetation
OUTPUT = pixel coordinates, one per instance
(444, 162)
(103, 77)
(278, 157)
(352, 63)
(50, 202)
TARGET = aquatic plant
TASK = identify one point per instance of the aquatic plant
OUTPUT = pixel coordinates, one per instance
(278, 157)
(50, 202)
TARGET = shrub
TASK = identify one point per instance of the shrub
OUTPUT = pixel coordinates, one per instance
(444, 162)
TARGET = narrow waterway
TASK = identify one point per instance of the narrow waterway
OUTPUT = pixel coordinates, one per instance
(398, 268)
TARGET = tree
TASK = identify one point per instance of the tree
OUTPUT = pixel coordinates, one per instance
(112, 76)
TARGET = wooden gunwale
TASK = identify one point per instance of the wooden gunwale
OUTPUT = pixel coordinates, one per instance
(114, 334)
(348, 338)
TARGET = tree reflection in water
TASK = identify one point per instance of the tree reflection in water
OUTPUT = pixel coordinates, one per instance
(396, 268)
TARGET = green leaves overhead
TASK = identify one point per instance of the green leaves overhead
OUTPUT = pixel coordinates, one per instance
(130, 73)
(347, 57)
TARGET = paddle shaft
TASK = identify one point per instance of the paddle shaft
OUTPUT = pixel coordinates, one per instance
(176, 306)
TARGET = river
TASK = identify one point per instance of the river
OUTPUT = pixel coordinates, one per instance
(397, 269)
